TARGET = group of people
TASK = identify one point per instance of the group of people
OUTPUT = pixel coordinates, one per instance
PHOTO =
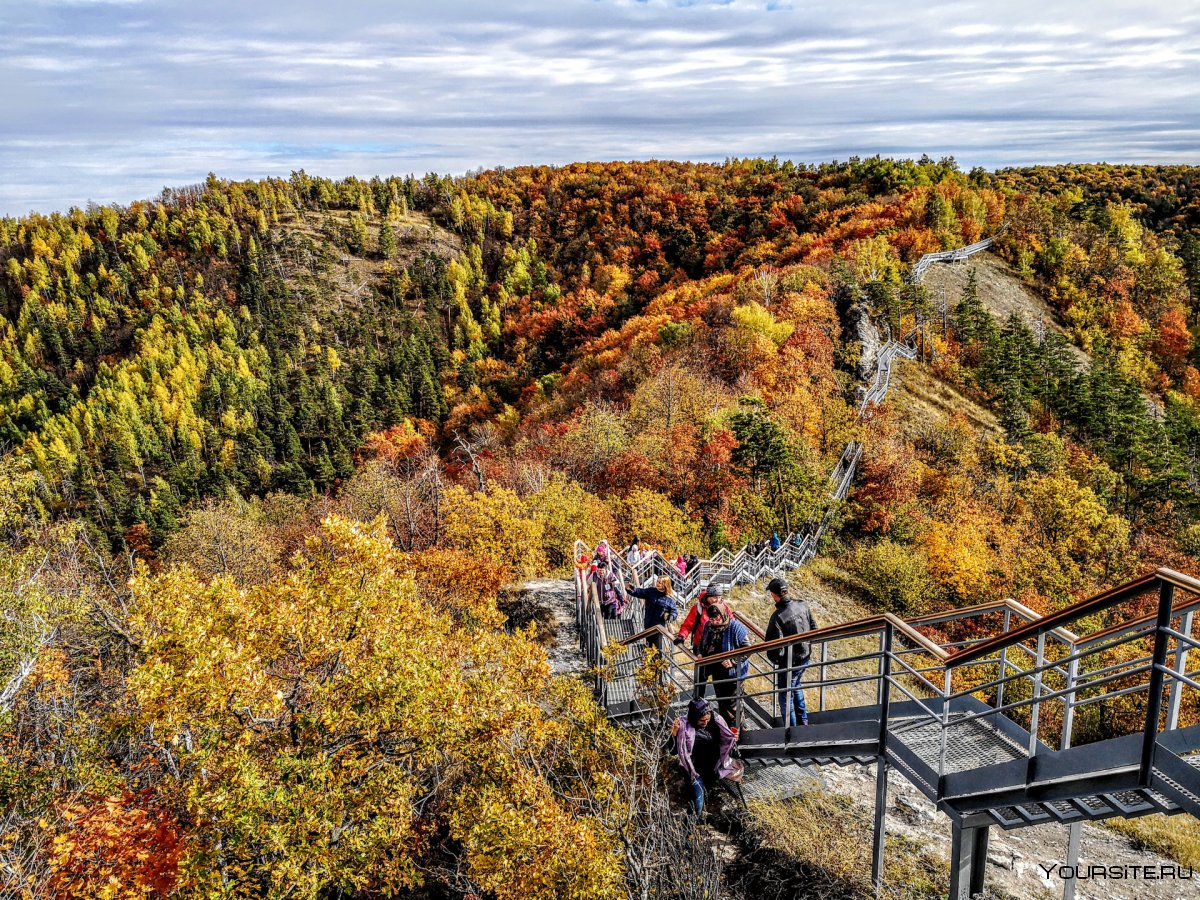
(772, 544)
(635, 553)
(705, 737)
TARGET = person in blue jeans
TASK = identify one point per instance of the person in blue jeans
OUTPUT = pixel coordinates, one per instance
(790, 618)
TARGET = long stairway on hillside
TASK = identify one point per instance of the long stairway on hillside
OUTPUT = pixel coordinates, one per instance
(999, 716)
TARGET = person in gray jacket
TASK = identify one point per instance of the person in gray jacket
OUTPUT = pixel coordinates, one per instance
(791, 617)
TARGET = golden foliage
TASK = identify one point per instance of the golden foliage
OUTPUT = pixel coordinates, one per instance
(322, 724)
(652, 517)
(495, 524)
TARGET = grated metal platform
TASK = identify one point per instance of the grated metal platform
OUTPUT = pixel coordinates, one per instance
(969, 745)
(778, 782)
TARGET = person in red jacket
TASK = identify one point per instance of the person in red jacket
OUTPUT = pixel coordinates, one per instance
(693, 622)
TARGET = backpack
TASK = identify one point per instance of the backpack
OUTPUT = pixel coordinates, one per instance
(612, 601)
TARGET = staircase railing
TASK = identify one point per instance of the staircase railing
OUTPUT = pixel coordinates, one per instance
(1024, 679)
(956, 255)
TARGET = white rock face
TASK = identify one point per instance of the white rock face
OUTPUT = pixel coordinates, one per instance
(868, 336)
(555, 603)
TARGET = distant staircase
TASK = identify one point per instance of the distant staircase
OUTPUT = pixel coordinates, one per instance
(979, 708)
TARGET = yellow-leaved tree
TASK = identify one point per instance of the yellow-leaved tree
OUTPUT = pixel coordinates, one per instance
(655, 521)
(495, 524)
(337, 730)
(567, 512)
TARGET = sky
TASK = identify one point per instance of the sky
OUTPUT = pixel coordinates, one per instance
(111, 100)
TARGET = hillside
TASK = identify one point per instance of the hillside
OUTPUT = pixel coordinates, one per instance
(272, 451)
(1001, 290)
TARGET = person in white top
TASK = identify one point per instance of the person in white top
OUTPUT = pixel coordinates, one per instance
(633, 555)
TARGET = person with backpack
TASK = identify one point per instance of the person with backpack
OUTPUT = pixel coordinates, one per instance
(659, 607)
(775, 542)
(704, 742)
(791, 617)
(693, 623)
(722, 633)
(609, 589)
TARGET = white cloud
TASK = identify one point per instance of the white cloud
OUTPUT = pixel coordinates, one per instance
(111, 100)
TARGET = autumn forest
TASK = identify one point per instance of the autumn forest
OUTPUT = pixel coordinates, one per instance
(272, 452)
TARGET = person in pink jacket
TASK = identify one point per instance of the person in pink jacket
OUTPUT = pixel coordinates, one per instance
(704, 743)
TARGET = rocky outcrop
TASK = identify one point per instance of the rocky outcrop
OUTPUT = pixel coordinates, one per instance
(549, 605)
(863, 330)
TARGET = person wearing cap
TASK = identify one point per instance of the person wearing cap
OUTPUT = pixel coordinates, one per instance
(720, 634)
(704, 743)
(693, 623)
(791, 617)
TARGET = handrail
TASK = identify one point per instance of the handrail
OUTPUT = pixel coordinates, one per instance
(982, 609)
(948, 661)
(751, 625)
(1169, 576)
(1098, 603)
(857, 628)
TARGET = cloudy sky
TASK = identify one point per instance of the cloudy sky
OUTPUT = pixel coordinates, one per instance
(110, 100)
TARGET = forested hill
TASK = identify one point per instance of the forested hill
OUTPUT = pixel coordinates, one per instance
(246, 338)
(269, 452)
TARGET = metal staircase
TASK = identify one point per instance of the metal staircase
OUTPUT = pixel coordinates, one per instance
(996, 714)
(999, 716)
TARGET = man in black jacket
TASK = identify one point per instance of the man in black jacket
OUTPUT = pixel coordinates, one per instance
(791, 617)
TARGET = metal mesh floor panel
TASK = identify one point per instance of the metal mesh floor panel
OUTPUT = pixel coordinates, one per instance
(969, 745)
(778, 782)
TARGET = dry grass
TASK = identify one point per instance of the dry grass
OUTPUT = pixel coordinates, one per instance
(837, 861)
(922, 398)
(1175, 837)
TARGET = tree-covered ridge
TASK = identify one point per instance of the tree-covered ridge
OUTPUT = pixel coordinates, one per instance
(246, 337)
(619, 324)
(203, 343)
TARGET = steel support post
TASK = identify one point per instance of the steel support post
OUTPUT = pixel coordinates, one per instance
(821, 689)
(1037, 693)
(1181, 655)
(1075, 829)
(785, 712)
(1069, 705)
(880, 832)
(885, 699)
(1003, 662)
(1076, 834)
(968, 861)
(944, 738)
(1166, 605)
